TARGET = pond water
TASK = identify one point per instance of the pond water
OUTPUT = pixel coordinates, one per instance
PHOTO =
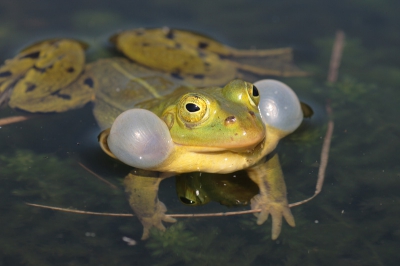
(354, 221)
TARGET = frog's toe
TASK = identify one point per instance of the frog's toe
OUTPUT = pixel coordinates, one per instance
(276, 226)
(257, 203)
(146, 233)
(169, 219)
(289, 217)
(162, 209)
(262, 217)
(279, 210)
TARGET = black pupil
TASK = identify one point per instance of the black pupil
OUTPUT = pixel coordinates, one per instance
(191, 107)
(255, 91)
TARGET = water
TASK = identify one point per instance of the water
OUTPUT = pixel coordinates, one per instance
(354, 221)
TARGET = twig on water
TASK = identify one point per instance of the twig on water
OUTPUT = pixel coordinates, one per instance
(79, 211)
(14, 119)
(97, 176)
(192, 215)
(336, 56)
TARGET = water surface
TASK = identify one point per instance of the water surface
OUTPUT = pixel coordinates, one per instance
(353, 222)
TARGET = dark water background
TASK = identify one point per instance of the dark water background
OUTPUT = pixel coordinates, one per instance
(355, 220)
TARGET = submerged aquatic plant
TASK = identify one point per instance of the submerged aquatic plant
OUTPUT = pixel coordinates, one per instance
(200, 243)
(175, 240)
(74, 239)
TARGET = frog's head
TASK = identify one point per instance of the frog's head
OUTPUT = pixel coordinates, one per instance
(216, 119)
(210, 129)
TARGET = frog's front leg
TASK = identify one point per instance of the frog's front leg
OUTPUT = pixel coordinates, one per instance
(272, 199)
(142, 189)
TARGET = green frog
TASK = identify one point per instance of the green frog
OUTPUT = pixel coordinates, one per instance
(164, 112)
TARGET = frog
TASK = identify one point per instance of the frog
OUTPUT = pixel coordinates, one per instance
(178, 103)
(214, 130)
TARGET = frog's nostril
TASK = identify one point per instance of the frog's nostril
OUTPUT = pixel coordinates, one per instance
(230, 120)
(252, 114)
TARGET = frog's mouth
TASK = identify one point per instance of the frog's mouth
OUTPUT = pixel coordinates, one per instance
(238, 136)
(239, 148)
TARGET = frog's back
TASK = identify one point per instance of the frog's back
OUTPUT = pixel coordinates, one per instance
(120, 85)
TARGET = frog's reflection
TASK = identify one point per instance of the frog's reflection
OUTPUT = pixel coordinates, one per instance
(231, 190)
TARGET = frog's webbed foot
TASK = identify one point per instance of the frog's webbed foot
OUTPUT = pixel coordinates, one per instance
(277, 209)
(155, 220)
(272, 197)
(142, 189)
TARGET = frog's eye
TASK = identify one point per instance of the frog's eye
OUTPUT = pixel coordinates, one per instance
(279, 106)
(193, 108)
(253, 94)
(193, 200)
(187, 201)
